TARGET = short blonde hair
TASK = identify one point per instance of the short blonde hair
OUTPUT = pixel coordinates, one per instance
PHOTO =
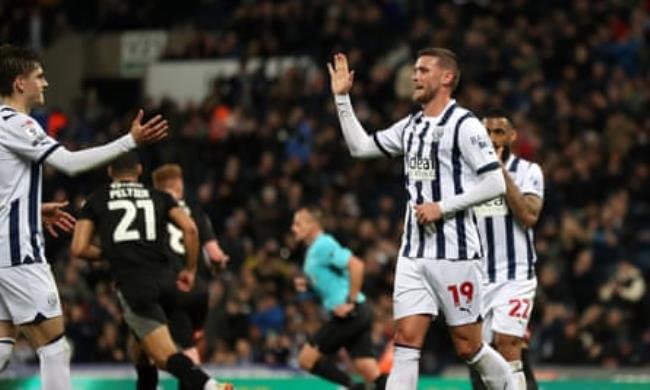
(166, 172)
(315, 212)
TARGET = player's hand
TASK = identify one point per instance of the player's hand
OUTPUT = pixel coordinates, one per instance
(221, 258)
(341, 78)
(185, 280)
(153, 131)
(55, 218)
(343, 310)
(499, 151)
(427, 212)
(300, 283)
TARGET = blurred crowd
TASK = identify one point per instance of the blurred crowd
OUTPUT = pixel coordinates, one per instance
(575, 76)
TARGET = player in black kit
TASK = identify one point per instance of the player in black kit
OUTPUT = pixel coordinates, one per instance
(131, 221)
(187, 318)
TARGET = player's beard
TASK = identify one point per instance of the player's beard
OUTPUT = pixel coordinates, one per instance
(425, 96)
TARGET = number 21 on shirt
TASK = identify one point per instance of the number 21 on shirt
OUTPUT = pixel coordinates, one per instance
(124, 230)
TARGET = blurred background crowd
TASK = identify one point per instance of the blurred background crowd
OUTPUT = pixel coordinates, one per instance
(575, 75)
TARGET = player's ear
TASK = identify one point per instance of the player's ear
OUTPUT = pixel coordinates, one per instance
(110, 171)
(19, 82)
(139, 169)
(513, 136)
(448, 77)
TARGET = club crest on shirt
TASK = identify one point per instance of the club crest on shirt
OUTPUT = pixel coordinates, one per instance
(437, 133)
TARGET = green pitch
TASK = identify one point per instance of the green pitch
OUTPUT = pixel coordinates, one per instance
(99, 383)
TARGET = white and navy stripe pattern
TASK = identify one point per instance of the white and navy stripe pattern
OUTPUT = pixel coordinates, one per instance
(443, 157)
(23, 147)
(510, 252)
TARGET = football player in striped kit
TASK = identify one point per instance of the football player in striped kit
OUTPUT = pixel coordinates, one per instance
(450, 165)
(29, 299)
(506, 226)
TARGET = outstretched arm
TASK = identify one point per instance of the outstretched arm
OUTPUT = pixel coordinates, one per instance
(359, 142)
(73, 163)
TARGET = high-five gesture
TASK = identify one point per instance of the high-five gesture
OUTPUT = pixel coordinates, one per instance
(341, 77)
(153, 131)
(54, 217)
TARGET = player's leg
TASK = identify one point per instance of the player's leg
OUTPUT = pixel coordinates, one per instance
(8, 333)
(480, 356)
(458, 290)
(531, 382)
(198, 313)
(488, 294)
(368, 368)
(186, 314)
(408, 339)
(146, 371)
(474, 376)
(148, 324)
(413, 309)
(31, 296)
(180, 328)
(513, 303)
(314, 354)
(359, 346)
(509, 347)
(53, 352)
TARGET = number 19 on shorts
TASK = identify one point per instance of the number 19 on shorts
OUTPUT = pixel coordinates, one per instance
(464, 291)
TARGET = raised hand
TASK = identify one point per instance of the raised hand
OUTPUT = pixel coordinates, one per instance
(341, 78)
(54, 217)
(220, 257)
(153, 131)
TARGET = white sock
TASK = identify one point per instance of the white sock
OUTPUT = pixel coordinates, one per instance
(404, 373)
(6, 348)
(210, 385)
(518, 376)
(494, 370)
(55, 365)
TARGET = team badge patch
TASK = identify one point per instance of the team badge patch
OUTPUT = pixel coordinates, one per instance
(32, 130)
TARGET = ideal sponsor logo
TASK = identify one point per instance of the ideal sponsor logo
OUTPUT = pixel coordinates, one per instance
(493, 207)
(421, 168)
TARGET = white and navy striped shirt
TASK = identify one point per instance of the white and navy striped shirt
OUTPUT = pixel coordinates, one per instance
(509, 249)
(443, 157)
(24, 145)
